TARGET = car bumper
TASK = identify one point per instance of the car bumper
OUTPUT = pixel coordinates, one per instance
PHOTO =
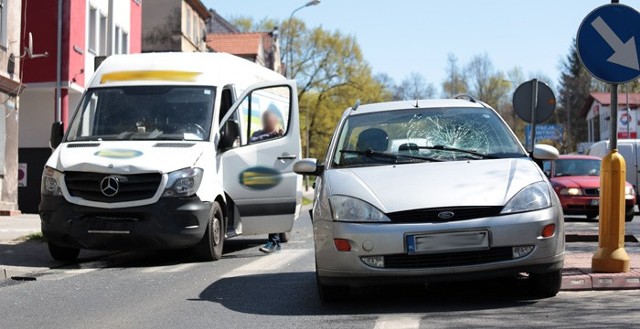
(585, 205)
(169, 223)
(388, 240)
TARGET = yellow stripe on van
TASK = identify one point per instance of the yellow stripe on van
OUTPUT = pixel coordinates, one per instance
(165, 75)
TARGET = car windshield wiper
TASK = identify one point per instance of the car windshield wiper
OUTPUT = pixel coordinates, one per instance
(453, 149)
(371, 153)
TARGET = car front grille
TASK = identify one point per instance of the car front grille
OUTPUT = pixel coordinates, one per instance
(592, 191)
(497, 254)
(131, 187)
(431, 215)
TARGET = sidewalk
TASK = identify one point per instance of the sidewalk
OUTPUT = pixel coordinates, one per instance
(15, 227)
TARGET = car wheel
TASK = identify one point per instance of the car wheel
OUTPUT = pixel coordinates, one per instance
(211, 245)
(546, 284)
(63, 254)
(329, 294)
(284, 237)
(628, 216)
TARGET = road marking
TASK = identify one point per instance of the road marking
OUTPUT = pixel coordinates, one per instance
(168, 268)
(269, 263)
(398, 322)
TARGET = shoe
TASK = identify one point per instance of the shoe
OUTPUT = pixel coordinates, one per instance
(270, 247)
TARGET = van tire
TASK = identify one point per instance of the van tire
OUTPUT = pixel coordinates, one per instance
(211, 245)
(63, 254)
(628, 216)
(284, 237)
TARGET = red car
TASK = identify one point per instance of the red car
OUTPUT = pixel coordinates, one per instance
(576, 180)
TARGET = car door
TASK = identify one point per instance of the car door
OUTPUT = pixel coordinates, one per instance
(256, 163)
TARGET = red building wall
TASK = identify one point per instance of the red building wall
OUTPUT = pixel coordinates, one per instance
(135, 29)
(73, 41)
(41, 20)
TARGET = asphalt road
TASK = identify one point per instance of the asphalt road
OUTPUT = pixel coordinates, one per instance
(249, 290)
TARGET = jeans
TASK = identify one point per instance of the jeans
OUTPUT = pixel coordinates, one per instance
(275, 238)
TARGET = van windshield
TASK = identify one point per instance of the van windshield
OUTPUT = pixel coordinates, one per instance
(144, 113)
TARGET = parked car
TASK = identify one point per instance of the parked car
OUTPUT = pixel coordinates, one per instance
(630, 150)
(458, 199)
(576, 180)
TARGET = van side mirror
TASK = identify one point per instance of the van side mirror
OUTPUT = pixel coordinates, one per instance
(308, 166)
(544, 152)
(229, 133)
(57, 133)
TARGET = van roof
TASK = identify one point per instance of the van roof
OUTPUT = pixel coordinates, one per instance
(178, 68)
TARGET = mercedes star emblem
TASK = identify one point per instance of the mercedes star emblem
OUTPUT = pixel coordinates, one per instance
(110, 185)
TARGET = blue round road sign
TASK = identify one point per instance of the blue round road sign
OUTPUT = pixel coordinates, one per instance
(608, 40)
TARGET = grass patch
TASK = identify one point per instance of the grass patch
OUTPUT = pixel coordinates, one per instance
(306, 201)
(37, 237)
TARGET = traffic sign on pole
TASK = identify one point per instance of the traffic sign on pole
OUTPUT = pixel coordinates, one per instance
(608, 43)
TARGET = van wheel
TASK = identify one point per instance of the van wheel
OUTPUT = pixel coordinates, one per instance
(329, 294)
(63, 254)
(546, 285)
(210, 247)
(284, 237)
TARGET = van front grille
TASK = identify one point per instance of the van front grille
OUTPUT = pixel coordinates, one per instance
(89, 186)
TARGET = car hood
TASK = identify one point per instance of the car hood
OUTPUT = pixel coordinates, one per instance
(119, 157)
(577, 181)
(393, 188)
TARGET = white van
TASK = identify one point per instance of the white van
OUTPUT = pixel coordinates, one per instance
(630, 150)
(159, 154)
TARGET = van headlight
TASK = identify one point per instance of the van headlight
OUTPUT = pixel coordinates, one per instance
(50, 184)
(348, 209)
(182, 183)
(533, 197)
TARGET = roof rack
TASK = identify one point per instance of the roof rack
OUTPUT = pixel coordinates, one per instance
(465, 96)
(356, 105)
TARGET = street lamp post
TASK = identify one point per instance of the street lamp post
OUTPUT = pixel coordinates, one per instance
(290, 74)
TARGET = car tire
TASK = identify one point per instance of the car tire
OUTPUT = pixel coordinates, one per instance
(330, 294)
(284, 237)
(629, 214)
(63, 254)
(546, 285)
(211, 245)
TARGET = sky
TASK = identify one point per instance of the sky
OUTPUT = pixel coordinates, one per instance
(403, 36)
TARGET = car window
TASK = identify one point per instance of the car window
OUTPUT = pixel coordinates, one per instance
(577, 167)
(414, 135)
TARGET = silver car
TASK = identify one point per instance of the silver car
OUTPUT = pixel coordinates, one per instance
(432, 190)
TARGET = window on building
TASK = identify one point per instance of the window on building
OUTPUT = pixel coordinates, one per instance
(188, 27)
(92, 30)
(3, 23)
(195, 27)
(125, 43)
(102, 40)
(116, 43)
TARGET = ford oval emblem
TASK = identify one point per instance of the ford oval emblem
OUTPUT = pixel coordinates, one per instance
(446, 215)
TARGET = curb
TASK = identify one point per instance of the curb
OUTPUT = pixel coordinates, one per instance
(574, 279)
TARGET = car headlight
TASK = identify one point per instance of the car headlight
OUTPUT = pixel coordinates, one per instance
(629, 190)
(348, 209)
(182, 183)
(50, 184)
(533, 197)
(573, 191)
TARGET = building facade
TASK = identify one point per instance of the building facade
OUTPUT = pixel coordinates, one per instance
(259, 47)
(598, 116)
(10, 87)
(174, 25)
(90, 28)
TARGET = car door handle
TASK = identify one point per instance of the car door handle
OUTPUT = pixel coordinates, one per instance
(287, 157)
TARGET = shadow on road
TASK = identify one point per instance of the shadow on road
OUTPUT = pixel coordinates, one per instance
(294, 293)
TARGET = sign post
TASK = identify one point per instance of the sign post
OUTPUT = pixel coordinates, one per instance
(607, 48)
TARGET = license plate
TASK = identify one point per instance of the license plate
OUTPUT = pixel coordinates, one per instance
(447, 242)
(108, 226)
(595, 202)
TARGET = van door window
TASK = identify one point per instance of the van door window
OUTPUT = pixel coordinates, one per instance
(226, 101)
(264, 115)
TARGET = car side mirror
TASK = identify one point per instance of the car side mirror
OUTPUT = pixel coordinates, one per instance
(308, 166)
(57, 134)
(229, 133)
(544, 152)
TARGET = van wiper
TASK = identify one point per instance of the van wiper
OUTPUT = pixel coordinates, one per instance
(453, 149)
(371, 153)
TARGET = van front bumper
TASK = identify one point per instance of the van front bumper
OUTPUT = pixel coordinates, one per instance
(170, 223)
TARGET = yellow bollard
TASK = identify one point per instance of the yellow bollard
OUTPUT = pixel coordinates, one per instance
(611, 256)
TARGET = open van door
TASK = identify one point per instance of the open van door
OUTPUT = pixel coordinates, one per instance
(258, 143)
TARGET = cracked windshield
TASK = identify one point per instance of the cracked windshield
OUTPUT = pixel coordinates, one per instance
(424, 135)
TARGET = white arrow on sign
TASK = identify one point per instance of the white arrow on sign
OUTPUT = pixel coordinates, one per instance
(624, 53)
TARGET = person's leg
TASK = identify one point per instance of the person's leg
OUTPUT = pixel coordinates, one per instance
(272, 245)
